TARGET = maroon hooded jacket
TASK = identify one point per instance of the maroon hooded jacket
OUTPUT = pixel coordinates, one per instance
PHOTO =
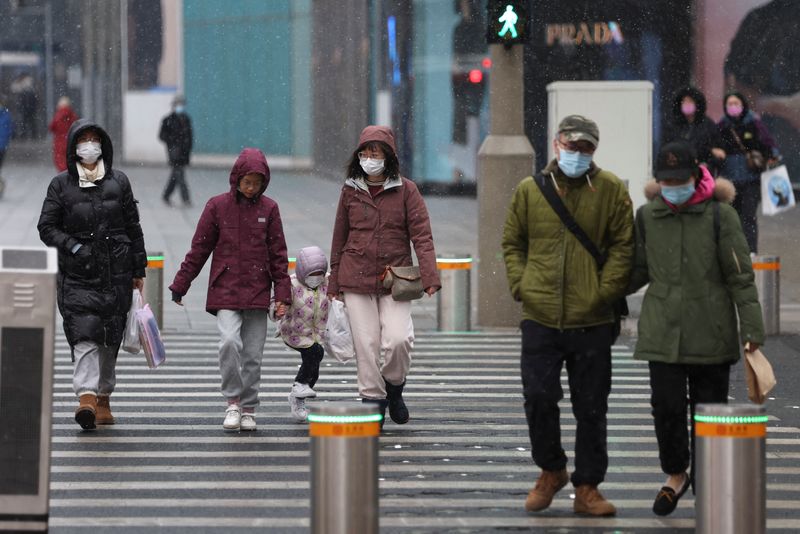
(246, 237)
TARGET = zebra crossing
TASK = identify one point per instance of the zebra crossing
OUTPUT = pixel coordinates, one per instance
(462, 464)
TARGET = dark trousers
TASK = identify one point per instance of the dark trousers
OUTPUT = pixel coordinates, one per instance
(587, 353)
(177, 178)
(309, 368)
(748, 196)
(668, 381)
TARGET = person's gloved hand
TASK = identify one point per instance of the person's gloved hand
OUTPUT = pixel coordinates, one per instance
(176, 298)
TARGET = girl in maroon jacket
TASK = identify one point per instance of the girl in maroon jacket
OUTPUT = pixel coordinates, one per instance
(243, 229)
(380, 214)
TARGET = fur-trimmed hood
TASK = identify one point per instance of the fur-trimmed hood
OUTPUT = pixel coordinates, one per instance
(724, 190)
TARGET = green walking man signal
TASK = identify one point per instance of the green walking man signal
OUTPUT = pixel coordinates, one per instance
(509, 22)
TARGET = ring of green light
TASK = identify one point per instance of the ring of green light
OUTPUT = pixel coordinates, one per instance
(155, 258)
(732, 419)
(345, 419)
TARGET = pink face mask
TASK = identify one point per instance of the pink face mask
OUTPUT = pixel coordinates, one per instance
(733, 110)
(688, 108)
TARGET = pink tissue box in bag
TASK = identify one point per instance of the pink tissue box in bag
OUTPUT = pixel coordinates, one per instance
(151, 338)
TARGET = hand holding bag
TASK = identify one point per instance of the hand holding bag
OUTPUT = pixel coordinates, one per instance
(405, 282)
(759, 375)
(338, 339)
(130, 340)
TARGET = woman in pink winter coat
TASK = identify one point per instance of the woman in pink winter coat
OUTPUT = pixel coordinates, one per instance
(243, 230)
(380, 215)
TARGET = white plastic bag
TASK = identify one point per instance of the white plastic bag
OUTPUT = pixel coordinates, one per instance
(150, 337)
(338, 340)
(130, 339)
(777, 194)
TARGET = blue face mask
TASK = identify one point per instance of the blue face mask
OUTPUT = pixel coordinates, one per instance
(573, 164)
(678, 194)
(179, 109)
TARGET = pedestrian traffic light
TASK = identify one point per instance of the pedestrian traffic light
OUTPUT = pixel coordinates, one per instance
(508, 22)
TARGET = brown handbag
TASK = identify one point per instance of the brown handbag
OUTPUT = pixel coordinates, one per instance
(759, 375)
(405, 282)
(754, 159)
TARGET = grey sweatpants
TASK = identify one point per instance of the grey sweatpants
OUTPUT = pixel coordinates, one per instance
(242, 335)
(95, 368)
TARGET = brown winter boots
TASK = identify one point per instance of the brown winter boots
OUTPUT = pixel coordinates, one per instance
(87, 410)
(589, 500)
(546, 487)
(103, 416)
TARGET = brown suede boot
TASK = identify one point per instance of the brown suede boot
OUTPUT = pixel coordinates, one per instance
(103, 416)
(546, 487)
(86, 411)
(589, 500)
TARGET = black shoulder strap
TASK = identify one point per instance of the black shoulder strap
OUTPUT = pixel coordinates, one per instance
(569, 221)
(640, 221)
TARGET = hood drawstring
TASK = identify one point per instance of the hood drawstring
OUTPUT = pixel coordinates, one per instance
(589, 181)
(555, 184)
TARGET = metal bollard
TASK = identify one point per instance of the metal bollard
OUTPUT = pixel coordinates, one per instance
(767, 270)
(453, 305)
(344, 468)
(154, 286)
(730, 464)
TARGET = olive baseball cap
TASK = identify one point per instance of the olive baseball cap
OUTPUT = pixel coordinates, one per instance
(676, 160)
(579, 128)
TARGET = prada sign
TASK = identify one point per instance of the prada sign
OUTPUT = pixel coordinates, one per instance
(583, 34)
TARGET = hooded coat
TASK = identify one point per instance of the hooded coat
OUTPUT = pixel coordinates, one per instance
(699, 278)
(59, 127)
(548, 269)
(246, 239)
(372, 232)
(740, 135)
(307, 317)
(702, 133)
(95, 282)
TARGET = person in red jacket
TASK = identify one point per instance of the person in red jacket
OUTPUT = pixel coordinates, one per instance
(243, 230)
(380, 215)
(59, 127)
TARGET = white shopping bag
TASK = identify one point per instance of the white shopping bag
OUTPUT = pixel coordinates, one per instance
(338, 338)
(154, 351)
(777, 195)
(130, 339)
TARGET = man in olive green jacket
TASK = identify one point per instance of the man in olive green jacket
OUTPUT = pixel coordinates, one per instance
(568, 308)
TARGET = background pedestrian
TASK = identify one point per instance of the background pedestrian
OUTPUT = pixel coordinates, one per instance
(243, 230)
(176, 133)
(691, 124)
(59, 127)
(380, 214)
(90, 216)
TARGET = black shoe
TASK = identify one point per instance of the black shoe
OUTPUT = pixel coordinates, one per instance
(85, 418)
(381, 403)
(397, 406)
(166, 202)
(667, 500)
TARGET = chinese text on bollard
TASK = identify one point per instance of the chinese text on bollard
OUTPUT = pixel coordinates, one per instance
(27, 347)
(154, 286)
(730, 465)
(453, 306)
(344, 468)
(767, 271)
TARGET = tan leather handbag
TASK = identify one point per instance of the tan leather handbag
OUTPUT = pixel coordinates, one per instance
(405, 282)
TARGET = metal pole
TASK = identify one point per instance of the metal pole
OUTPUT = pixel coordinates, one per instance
(453, 301)
(154, 286)
(767, 271)
(730, 461)
(344, 468)
(48, 59)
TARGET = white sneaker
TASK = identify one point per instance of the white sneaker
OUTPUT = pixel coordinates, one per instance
(248, 422)
(302, 391)
(233, 417)
(298, 407)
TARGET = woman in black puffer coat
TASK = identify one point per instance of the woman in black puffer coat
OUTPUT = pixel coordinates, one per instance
(90, 216)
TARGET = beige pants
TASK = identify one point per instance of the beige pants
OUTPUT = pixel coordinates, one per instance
(381, 326)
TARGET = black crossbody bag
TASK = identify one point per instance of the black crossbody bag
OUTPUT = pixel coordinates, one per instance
(620, 306)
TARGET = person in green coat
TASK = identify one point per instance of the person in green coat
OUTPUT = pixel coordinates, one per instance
(567, 305)
(692, 251)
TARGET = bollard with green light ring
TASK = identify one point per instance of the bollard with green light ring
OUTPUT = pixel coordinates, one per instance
(730, 426)
(344, 426)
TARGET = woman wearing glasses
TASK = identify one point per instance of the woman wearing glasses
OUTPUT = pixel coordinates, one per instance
(380, 215)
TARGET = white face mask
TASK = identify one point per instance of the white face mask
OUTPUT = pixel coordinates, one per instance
(89, 152)
(315, 280)
(372, 166)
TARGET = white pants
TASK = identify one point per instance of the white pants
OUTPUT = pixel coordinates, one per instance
(95, 368)
(242, 334)
(381, 326)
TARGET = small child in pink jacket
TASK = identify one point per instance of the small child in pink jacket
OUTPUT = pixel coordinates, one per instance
(303, 326)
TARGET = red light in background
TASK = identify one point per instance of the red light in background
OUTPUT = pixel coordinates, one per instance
(486, 63)
(475, 76)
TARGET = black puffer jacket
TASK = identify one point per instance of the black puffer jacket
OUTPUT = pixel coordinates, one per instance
(701, 133)
(94, 284)
(176, 132)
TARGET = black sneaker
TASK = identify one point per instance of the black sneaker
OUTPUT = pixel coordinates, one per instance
(667, 500)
